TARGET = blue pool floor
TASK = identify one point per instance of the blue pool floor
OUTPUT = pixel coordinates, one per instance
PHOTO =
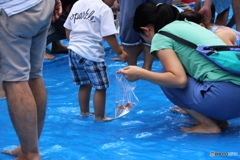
(149, 132)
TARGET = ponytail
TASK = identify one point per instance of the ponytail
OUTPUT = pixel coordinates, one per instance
(150, 13)
(165, 15)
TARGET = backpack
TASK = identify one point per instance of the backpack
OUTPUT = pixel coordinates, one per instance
(224, 56)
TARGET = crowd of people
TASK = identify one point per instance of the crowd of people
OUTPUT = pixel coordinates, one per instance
(195, 85)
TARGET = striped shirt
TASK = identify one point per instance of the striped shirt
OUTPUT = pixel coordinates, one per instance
(12, 7)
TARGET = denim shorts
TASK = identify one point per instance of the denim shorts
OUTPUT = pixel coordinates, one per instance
(127, 8)
(85, 71)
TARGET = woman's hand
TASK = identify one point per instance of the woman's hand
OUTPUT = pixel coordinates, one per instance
(174, 75)
(131, 73)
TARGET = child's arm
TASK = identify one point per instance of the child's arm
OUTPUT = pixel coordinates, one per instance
(67, 33)
(112, 41)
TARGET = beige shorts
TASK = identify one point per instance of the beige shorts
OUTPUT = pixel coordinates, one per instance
(23, 42)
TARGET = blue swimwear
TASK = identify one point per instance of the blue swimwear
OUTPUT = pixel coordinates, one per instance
(221, 5)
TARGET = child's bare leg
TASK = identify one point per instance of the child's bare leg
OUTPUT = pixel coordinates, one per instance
(206, 124)
(99, 105)
(84, 98)
(58, 47)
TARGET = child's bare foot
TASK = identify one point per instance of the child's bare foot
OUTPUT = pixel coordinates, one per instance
(104, 119)
(115, 59)
(177, 109)
(202, 128)
(48, 56)
(15, 152)
(86, 114)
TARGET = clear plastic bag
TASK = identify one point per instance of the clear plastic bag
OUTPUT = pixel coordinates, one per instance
(126, 99)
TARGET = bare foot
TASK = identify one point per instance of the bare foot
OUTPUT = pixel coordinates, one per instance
(193, 122)
(115, 59)
(48, 56)
(15, 152)
(32, 156)
(202, 128)
(86, 114)
(177, 109)
(104, 119)
(21, 158)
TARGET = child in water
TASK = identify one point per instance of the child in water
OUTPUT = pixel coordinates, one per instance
(88, 24)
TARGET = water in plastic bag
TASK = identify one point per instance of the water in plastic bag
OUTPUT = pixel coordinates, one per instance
(126, 99)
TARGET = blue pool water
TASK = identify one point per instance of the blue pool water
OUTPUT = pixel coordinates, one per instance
(149, 132)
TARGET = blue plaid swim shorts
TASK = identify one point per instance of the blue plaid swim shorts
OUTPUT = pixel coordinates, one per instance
(85, 71)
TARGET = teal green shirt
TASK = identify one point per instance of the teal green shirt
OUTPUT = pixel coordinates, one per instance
(194, 63)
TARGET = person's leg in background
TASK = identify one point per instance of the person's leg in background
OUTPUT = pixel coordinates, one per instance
(56, 33)
(236, 11)
(222, 17)
(222, 8)
(148, 59)
(131, 40)
(133, 52)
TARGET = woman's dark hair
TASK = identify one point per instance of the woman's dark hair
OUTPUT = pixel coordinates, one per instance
(150, 13)
(192, 16)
